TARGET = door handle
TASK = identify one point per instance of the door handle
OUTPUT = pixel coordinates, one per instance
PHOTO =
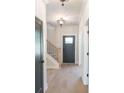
(42, 61)
(87, 53)
(87, 75)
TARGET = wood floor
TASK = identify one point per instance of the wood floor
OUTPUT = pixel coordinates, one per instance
(66, 80)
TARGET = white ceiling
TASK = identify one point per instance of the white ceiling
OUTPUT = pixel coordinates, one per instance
(70, 12)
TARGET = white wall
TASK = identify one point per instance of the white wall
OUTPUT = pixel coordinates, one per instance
(40, 12)
(67, 30)
(81, 47)
(86, 58)
(51, 34)
(83, 39)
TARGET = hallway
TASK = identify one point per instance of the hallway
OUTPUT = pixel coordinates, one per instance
(67, 79)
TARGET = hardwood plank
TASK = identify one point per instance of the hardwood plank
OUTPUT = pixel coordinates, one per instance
(66, 80)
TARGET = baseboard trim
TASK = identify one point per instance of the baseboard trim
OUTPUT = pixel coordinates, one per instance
(53, 67)
(45, 87)
(85, 82)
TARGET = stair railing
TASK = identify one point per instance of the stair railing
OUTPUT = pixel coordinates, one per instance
(53, 51)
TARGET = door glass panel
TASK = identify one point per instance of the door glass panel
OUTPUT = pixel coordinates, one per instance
(69, 40)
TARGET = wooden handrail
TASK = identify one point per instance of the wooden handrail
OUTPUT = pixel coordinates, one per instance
(53, 51)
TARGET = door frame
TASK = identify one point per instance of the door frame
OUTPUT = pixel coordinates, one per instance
(75, 35)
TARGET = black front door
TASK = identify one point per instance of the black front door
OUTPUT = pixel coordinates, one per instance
(38, 56)
(68, 49)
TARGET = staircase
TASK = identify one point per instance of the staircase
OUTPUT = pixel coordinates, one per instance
(53, 56)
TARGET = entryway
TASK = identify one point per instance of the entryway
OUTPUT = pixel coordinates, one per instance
(68, 49)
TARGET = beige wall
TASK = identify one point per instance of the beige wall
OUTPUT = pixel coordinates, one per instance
(40, 12)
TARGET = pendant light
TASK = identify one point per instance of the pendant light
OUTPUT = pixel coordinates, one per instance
(61, 21)
(63, 1)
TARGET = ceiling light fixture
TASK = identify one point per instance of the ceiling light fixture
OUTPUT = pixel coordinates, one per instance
(63, 1)
(61, 21)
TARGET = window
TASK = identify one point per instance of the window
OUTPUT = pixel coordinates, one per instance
(68, 40)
